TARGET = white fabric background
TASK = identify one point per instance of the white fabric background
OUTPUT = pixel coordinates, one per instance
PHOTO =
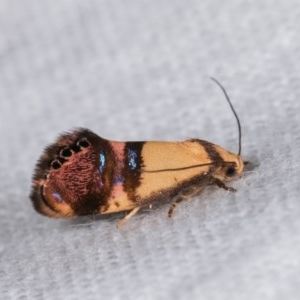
(136, 70)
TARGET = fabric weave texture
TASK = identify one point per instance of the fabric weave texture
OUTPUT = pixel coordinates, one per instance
(139, 70)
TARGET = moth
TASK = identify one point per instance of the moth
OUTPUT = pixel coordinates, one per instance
(83, 174)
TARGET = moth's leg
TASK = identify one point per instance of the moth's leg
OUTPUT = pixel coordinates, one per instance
(183, 197)
(221, 184)
(174, 205)
(127, 217)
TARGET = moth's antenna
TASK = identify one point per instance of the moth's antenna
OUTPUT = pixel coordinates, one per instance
(234, 112)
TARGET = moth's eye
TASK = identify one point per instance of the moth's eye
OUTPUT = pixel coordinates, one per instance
(65, 152)
(55, 164)
(230, 171)
(83, 143)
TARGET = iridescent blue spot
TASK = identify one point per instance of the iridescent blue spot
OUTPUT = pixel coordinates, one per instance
(118, 180)
(102, 162)
(57, 196)
(132, 157)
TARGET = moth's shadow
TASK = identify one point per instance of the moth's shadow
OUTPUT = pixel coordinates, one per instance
(251, 164)
(90, 220)
(111, 219)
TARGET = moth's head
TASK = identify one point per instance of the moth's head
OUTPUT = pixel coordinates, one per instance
(67, 181)
(231, 166)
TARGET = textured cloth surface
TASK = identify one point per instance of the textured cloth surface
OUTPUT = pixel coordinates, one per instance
(139, 70)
